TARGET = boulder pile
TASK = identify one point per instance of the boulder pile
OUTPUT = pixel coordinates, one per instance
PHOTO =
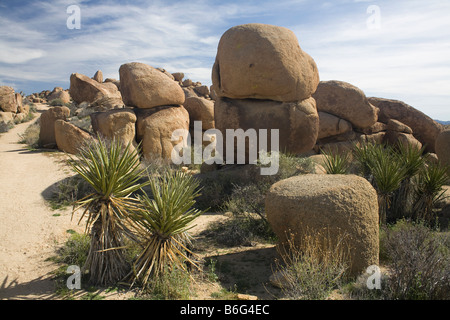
(12, 108)
(347, 116)
(262, 79)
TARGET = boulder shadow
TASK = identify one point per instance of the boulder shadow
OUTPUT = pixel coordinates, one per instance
(248, 272)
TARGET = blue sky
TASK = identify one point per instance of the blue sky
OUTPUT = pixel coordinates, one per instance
(403, 53)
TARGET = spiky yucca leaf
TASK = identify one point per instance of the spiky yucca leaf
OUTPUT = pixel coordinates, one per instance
(412, 159)
(429, 190)
(112, 169)
(164, 223)
(336, 163)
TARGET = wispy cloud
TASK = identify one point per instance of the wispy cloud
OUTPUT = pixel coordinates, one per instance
(407, 58)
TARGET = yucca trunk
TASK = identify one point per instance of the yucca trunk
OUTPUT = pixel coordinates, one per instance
(106, 260)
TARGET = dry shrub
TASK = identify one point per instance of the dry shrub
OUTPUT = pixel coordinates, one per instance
(315, 267)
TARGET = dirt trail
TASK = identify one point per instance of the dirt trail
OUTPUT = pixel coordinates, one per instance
(29, 231)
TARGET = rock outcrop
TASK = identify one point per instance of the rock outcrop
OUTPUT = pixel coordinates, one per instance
(332, 205)
(8, 101)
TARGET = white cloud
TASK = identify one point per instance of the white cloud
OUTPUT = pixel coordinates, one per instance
(408, 57)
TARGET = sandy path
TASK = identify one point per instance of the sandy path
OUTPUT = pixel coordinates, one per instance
(29, 233)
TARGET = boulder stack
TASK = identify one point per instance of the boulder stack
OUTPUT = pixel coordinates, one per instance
(263, 80)
(424, 129)
(157, 99)
(12, 109)
(47, 123)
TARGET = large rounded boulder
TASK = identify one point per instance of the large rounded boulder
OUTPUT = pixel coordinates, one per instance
(346, 101)
(84, 89)
(47, 125)
(144, 87)
(344, 207)
(262, 61)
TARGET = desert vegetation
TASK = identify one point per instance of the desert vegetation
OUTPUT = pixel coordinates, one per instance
(162, 260)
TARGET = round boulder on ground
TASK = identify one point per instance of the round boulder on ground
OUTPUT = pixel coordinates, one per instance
(344, 207)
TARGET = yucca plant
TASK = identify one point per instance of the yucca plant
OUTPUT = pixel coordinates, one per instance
(411, 158)
(336, 163)
(113, 171)
(388, 174)
(429, 190)
(163, 223)
(364, 156)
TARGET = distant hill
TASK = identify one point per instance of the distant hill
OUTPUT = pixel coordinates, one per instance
(443, 122)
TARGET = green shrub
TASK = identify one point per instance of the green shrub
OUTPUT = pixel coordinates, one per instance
(419, 262)
(75, 250)
(56, 102)
(428, 191)
(68, 191)
(171, 284)
(241, 230)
